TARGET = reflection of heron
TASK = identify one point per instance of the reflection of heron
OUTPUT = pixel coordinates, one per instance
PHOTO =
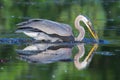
(45, 53)
(81, 65)
(41, 29)
(49, 53)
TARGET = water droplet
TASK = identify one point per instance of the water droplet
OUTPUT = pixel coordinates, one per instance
(53, 76)
(12, 16)
(66, 71)
(2, 68)
(109, 12)
(1, 7)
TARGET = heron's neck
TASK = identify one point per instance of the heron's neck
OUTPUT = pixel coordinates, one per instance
(81, 65)
(78, 56)
(81, 52)
(79, 27)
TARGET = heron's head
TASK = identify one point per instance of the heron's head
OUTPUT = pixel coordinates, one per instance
(87, 23)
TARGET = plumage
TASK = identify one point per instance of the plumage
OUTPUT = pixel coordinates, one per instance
(50, 27)
(42, 29)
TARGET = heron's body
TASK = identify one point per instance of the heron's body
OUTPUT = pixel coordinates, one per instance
(42, 29)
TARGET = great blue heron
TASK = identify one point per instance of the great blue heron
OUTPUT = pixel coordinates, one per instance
(42, 29)
(45, 53)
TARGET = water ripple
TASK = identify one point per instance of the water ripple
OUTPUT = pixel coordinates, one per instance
(105, 53)
(30, 40)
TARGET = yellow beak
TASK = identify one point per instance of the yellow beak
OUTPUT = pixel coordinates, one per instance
(93, 33)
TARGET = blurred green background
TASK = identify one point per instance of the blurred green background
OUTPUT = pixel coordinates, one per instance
(105, 16)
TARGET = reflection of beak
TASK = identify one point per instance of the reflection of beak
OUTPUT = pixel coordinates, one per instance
(92, 31)
(83, 64)
(94, 48)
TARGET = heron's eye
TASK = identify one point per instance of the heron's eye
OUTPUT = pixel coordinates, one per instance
(91, 27)
(89, 23)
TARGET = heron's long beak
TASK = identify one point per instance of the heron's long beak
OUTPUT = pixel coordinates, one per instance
(92, 31)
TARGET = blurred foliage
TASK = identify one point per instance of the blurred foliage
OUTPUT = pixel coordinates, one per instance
(101, 13)
(113, 19)
(59, 10)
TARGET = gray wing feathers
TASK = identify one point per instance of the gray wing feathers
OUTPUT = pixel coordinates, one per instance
(48, 26)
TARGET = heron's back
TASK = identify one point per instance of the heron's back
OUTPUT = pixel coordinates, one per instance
(47, 26)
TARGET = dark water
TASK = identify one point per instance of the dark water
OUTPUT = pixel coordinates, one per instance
(22, 60)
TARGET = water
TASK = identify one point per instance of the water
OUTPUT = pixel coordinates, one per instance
(22, 59)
